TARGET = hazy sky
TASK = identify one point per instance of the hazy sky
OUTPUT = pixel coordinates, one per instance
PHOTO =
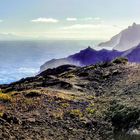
(66, 19)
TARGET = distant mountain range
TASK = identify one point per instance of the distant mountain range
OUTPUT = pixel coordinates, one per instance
(90, 56)
(125, 44)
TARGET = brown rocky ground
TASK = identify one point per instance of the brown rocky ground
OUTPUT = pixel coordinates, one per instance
(98, 102)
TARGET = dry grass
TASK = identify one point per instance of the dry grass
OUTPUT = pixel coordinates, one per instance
(29, 101)
(5, 97)
(62, 95)
(57, 114)
(1, 114)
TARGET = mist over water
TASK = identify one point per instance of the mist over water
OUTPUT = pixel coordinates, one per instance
(19, 59)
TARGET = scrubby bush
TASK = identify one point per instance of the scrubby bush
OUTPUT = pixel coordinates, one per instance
(1, 114)
(90, 110)
(65, 105)
(120, 60)
(76, 113)
(91, 97)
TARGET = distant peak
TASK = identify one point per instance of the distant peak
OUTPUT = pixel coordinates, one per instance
(89, 48)
(134, 24)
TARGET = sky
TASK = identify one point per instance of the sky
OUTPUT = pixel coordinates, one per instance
(66, 19)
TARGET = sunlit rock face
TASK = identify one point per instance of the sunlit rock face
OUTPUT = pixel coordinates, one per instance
(125, 40)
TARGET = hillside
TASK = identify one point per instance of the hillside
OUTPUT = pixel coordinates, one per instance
(96, 102)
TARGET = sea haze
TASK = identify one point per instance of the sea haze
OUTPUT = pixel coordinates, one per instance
(19, 59)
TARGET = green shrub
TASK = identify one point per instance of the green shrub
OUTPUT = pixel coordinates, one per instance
(120, 60)
(65, 105)
(76, 113)
(90, 110)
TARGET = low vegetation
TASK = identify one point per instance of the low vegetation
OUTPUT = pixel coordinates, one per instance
(76, 113)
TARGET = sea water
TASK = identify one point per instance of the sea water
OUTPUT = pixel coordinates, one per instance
(20, 59)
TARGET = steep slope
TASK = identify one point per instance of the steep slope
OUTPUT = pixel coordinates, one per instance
(125, 40)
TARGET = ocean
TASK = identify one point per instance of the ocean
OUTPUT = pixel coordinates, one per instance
(20, 59)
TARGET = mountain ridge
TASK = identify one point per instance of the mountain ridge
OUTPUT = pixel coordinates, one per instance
(85, 57)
